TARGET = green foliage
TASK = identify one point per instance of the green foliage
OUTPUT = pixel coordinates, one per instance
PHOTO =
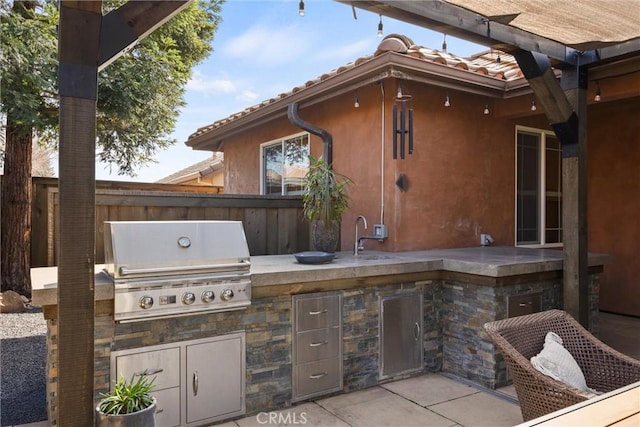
(29, 65)
(324, 198)
(139, 95)
(128, 396)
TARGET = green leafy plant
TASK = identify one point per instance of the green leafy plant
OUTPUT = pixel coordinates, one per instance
(128, 396)
(324, 198)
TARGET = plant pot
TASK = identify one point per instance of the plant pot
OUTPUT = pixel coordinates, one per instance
(325, 237)
(144, 418)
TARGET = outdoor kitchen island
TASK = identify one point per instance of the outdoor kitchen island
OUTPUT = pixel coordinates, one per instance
(435, 301)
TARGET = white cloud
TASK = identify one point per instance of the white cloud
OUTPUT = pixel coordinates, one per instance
(248, 95)
(347, 52)
(201, 83)
(266, 45)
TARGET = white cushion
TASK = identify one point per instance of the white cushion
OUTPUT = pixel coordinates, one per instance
(555, 361)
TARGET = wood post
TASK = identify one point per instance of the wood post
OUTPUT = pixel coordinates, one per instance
(566, 108)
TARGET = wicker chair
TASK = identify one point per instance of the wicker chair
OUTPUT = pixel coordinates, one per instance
(520, 338)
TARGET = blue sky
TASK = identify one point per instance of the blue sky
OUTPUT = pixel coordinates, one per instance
(263, 48)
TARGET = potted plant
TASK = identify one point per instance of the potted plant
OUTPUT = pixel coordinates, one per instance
(129, 404)
(324, 200)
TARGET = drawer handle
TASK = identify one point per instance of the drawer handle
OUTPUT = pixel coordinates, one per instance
(313, 313)
(524, 304)
(319, 343)
(195, 383)
(149, 372)
(318, 376)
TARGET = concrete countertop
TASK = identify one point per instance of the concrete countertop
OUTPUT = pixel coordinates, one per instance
(270, 270)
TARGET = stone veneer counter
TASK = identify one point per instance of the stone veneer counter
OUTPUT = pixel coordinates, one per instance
(460, 290)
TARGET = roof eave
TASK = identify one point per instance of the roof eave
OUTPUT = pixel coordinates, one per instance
(387, 65)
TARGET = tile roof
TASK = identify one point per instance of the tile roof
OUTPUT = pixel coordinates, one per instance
(203, 168)
(493, 64)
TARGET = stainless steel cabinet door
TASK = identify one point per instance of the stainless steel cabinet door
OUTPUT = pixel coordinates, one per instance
(401, 334)
(215, 379)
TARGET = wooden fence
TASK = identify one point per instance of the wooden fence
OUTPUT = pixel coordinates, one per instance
(273, 225)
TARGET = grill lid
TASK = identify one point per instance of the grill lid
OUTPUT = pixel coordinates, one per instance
(136, 249)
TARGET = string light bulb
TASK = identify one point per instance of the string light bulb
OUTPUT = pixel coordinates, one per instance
(356, 102)
(486, 108)
(533, 105)
(380, 27)
(597, 98)
(444, 43)
(447, 102)
(399, 94)
(301, 8)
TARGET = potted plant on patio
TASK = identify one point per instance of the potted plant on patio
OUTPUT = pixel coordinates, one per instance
(324, 200)
(129, 404)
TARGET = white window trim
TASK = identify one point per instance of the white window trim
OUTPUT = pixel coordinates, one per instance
(542, 180)
(272, 142)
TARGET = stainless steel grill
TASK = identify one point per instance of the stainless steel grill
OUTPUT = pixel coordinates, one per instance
(175, 268)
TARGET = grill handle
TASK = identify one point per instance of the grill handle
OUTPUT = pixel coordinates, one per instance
(124, 271)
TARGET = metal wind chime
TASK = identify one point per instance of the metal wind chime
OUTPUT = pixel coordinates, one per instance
(402, 126)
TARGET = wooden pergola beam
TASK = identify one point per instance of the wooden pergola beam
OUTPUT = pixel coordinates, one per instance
(565, 105)
(123, 27)
(86, 42)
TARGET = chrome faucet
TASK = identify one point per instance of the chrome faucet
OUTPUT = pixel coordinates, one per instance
(356, 243)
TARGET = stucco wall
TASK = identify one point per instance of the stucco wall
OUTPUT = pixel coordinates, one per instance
(461, 176)
(614, 200)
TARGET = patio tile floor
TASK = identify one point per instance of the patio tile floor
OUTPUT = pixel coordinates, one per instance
(428, 400)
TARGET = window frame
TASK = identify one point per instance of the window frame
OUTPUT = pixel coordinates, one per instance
(271, 143)
(541, 178)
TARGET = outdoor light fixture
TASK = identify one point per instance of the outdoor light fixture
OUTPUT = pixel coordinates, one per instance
(356, 103)
(301, 8)
(597, 98)
(447, 103)
(400, 96)
(402, 124)
(380, 27)
(486, 108)
(533, 105)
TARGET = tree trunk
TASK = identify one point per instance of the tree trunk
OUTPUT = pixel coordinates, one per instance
(16, 211)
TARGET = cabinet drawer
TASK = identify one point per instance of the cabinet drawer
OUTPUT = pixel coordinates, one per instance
(164, 365)
(317, 312)
(317, 378)
(167, 407)
(317, 344)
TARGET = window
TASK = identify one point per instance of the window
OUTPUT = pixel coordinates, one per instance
(538, 188)
(284, 165)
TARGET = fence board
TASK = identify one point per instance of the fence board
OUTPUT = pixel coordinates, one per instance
(271, 223)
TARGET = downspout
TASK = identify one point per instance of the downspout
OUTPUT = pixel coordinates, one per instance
(382, 155)
(327, 139)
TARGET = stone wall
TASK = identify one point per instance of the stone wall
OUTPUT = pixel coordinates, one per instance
(466, 307)
(454, 312)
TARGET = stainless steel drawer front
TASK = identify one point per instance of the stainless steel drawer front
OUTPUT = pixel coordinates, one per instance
(163, 365)
(168, 407)
(314, 313)
(318, 377)
(318, 344)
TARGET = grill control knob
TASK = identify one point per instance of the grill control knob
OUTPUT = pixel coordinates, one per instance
(226, 295)
(145, 302)
(207, 296)
(188, 298)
